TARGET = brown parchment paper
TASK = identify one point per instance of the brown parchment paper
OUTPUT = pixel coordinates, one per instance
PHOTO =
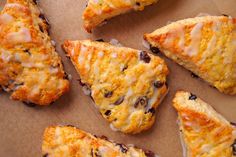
(21, 127)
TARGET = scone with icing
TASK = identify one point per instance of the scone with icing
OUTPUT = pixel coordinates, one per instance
(97, 11)
(126, 84)
(30, 68)
(204, 45)
(69, 141)
(205, 133)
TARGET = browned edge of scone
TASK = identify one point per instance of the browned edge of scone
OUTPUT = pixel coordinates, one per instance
(123, 147)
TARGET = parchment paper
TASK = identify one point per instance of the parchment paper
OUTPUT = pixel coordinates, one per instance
(21, 127)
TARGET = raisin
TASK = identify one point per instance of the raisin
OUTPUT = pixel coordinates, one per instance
(151, 110)
(119, 101)
(145, 57)
(149, 153)
(108, 113)
(123, 148)
(234, 147)
(225, 15)
(232, 123)
(28, 52)
(125, 67)
(45, 155)
(69, 125)
(154, 49)
(108, 94)
(158, 84)
(143, 101)
(44, 18)
(194, 75)
(66, 76)
(29, 104)
(80, 82)
(192, 97)
(138, 3)
(100, 40)
(36, 1)
(103, 137)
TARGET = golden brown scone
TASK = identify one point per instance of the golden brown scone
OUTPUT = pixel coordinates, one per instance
(204, 45)
(126, 85)
(205, 133)
(97, 11)
(30, 68)
(69, 141)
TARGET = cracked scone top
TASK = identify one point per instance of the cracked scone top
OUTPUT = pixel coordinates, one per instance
(126, 84)
(204, 45)
(205, 133)
(97, 11)
(69, 141)
(30, 68)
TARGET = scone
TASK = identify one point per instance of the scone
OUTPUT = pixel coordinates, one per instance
(205, 133)
(126, 85)
(30, 68)
(97, 11)
(204, 45)
(69, 141)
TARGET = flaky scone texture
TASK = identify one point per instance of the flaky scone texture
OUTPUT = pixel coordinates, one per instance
(97, 11)
(30, 68)
(204, 131)
(69, 141)
(204, 45)
(126, 84)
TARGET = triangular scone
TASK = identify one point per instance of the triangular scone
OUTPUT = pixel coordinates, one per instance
(97, 11)
(205, 133)
(126, 85)
(204, 45)
(30, 68)
(69, 141)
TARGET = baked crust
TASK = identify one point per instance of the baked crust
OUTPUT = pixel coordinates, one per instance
(126, 85)
(205, 132)
(97, 11)
(70, 142)
(30, 68)
(204, 45)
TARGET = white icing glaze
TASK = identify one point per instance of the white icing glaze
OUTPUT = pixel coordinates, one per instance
(129, 93)
(153, 99)
(146, 44)
(5, 18)
(81, 57)
(115, 42)
(113, 128)
(130, 79)
(184, 148)
(87, 66)
(100, 54)
(195, 35)
(206, 148)
(14, 5)
(22, 36)
(96, 68)
(6, 56)
(86, 90)
(114, 55)
(212, 43)
(203, 14)
(53, 42)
